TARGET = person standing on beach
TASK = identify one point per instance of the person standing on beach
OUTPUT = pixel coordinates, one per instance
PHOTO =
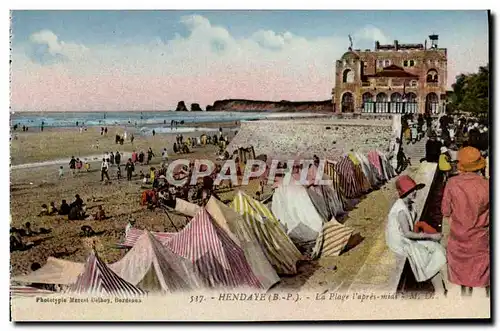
(154, 132)
(111, 158)
(134, 157)
(132, 139)
(61, 172)
(106, 131)
(104, 170)
(466, 202)
(164, 155)
(129, 168)
(72, 164)
(150, 155)
(117, 159)
(102, 130)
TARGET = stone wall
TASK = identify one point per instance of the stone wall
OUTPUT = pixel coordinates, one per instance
(327, 138)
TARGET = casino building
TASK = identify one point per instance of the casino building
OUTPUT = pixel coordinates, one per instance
(394, 78)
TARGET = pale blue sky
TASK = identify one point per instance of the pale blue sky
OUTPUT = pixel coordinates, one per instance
(85, 60)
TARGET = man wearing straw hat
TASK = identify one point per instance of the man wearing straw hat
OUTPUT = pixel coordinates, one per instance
(426, 256)
(466, 203)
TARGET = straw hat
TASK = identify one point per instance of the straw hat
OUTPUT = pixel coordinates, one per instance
(444, 149)
(406, 185)
(470, 159)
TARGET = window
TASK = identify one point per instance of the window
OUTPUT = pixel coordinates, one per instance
(405, 63)
(348, 76)
(387, 63)
(380, 63)
(413, 83)
(412, 63)
(432, 76)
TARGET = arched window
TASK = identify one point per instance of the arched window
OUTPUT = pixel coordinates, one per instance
(381, 106)
(405, 63)
(432, 76)
(387, 63)
(348, 76)
(381, 97)
(412, 63)
(413, 83)
(347, 103)
(396, 97)
(431, 103)
(411, 97)
(368, 105)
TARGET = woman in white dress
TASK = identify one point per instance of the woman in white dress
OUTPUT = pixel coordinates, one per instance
(426, 256)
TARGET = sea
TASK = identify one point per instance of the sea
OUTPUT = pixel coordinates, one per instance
(144, 121)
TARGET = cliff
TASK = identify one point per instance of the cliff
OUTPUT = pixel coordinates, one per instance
(272, 106)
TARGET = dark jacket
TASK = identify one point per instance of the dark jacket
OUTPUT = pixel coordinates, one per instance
(432, 150)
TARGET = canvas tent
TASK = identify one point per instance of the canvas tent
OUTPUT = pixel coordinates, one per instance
(55, 271)
(241, 233)
(98, 279)
(277, 246)
(218, 260)
(155, 268)
(133, 235)
(296, 213)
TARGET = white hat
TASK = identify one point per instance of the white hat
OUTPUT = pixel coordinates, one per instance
(163, 177)
(444, 149)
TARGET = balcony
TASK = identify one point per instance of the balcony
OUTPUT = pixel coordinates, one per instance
(432, 84)
(366, 84)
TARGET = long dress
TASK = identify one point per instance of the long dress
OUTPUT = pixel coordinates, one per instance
(466, 202)
(426, 257)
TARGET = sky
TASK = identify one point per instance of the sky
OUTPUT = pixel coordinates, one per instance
(150, 60)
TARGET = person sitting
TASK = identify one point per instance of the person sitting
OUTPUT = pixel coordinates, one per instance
(76, 213)
(425, 254)
(44, 211)
(16, 241)
(100, 215)
(432, 149)
(27, 230)
(87, 231)
(78, 201)
(52, 208)
(64, 209)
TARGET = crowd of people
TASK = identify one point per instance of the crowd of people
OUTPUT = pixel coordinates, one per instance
(459, 146)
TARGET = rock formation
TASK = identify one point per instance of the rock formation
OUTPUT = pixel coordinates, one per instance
(196, 107)
(272, 106)
(181, 106)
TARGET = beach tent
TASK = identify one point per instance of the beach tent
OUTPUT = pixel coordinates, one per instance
(28, 291)
(55, 271)
(185, 207)
(332, 239)
(277, 246)
(155, 268)
(217, 259)
(293, 208)
(241, 233)
(359, 174)
(305, 226)
(98, 279)
(346, 170)
(368, 170)
(133, 235)
(376, 161)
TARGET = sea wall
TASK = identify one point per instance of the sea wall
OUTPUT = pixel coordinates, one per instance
(327, 137)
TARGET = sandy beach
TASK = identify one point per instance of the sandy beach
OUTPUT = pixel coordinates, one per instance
(33, 186)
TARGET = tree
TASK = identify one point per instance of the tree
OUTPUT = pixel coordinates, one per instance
(471, 91)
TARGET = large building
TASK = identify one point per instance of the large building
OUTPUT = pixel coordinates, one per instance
(397, 78)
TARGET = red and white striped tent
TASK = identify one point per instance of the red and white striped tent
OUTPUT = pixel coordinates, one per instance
(134, 234)
(98, 279)
(28, 291)
(217, 258)
(153, 267)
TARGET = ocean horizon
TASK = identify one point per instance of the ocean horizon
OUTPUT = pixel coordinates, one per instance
(138, 118)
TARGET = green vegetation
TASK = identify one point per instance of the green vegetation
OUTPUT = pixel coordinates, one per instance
(470, 92)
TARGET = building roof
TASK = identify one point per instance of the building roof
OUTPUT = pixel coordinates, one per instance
(393, 71)
(350, 54)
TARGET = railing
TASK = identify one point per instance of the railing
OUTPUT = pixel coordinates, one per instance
(390, 107)
(432, 84)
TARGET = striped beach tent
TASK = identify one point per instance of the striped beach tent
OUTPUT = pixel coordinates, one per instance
(332, 239)
(277, 246)
(133, 235)
(348, 181)
(217, 259)
(98, 279)
(28, 291)
(374, 158)
(359, 174)
(336, 182)
(241, 233)
(153, 267)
